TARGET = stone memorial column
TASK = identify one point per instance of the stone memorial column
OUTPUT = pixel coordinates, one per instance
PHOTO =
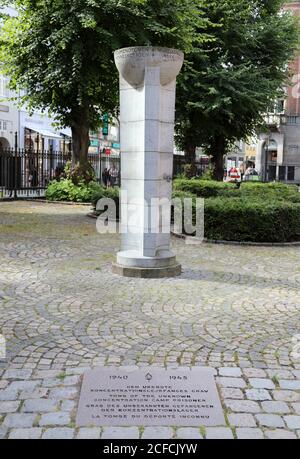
(147, 112)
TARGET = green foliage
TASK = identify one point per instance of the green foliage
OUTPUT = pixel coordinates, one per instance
(230, 80)
(202, 188)
(248, 190)
(100, 193)
(256, 212)
(60, 53)
(208, 173)
(252, 220)
(66, 190)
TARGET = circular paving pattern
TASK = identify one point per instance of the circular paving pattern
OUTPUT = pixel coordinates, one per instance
(61, 305)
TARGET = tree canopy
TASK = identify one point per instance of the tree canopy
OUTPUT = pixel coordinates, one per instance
(230, 81)
(60, 52)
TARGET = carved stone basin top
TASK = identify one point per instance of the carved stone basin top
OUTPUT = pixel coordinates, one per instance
(131, 63)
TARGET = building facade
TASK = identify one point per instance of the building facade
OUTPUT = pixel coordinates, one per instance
(277, 151)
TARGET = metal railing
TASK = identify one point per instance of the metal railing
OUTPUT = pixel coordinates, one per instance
(27, 173)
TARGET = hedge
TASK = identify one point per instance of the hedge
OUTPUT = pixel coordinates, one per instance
(203, 188)
(252, 220)
(256, 212)
(209, 189)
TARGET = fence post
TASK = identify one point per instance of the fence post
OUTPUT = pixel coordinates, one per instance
(16, 166)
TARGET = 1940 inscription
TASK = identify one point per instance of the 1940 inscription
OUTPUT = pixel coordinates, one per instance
(155, 397)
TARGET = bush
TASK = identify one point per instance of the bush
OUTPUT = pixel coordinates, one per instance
(264, 213)
(203, 188)
(65, 190)
(254, 220)
(209, 188)
(111, 193)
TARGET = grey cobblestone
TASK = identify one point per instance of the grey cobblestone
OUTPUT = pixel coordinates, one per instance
(231, 393)
(86, 433)
(286, 396)
(270, 420)
(189, 433)
(19, 420)
(17, 374)
(40, 406)
(55, 419)
(243, 406)
(289, 384)
(158, 432)
(219, 433)
(280, 434)
(249, 434)
(35, 394)
(68, 328)
(231, 382)
(45, 374)
(296, 407)
(59, 433)
(24, 385)
(275, 407)
(25, 434)
(254, 373)
(68, 405)
(129, 433)
(230, 371)
(242, 420)
(260, 383)
(281, 374)
(8, 394)
(293, 422)
(9, 407)
(63, 393)
(3, 432)
(258, 394)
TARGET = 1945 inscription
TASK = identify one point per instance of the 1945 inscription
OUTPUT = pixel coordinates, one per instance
(119, 397)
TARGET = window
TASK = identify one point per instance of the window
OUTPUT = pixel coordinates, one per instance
(281, 173)
(4, 91)
(280, 106)
(3, 125)
(291, 173)
(272, 173)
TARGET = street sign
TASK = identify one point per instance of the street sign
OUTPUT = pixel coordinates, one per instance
(94, 143)
(105, 124)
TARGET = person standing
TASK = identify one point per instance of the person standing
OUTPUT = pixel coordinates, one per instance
(114, 173)
(105, 177)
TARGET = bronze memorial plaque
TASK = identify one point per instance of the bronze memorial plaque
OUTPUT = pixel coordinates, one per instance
(149, 397)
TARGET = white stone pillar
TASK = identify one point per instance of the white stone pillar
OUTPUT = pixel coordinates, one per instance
(147, 112)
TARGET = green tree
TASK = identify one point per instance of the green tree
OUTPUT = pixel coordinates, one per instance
(231, 80)
(60, 53)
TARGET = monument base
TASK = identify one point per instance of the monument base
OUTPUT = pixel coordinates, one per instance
(131, 263)
(147, 273)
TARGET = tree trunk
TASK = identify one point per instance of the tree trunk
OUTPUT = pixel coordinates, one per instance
(190, 156)
(81, 170)
(218, 151)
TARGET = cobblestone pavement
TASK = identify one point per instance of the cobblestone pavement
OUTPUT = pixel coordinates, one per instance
(62, 311)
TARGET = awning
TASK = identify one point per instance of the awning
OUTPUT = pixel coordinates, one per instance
(43, 132)
(66, 132)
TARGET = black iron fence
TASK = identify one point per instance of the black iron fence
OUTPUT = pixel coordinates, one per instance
(26, 173)
(202, 164)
